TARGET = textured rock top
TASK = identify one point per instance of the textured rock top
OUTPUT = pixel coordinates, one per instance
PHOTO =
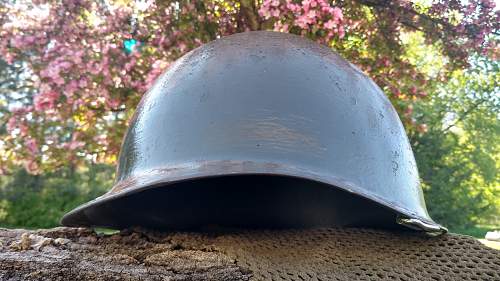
(319, 254)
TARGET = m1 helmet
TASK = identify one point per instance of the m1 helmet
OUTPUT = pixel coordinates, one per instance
(263, 129)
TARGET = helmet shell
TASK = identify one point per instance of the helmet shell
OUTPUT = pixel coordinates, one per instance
(267, 103)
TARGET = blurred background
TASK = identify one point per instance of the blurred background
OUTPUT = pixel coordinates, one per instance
(72, 72)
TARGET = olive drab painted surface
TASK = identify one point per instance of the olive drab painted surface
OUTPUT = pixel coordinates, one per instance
(266, 103)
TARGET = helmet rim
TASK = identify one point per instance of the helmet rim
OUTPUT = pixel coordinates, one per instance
(169, 176)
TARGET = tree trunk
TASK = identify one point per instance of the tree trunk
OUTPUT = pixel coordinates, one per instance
(248, 16)
(320, 254)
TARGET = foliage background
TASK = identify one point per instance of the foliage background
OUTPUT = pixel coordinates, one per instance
(72, 72)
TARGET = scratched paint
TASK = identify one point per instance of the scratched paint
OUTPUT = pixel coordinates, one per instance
(279, 134)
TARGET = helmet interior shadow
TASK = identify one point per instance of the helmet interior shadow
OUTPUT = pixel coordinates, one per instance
(250, 201)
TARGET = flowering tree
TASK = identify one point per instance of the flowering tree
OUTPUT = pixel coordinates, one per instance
(81, 66)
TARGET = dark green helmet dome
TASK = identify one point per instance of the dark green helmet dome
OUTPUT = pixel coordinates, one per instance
(263, 129)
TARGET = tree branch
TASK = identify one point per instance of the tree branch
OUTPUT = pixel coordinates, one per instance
(462, 117)
(248, 16)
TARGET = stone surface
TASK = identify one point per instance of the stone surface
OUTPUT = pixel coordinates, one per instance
(318, 254)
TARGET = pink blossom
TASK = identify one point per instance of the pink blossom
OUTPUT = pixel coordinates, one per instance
(9, 57)
(101, 139)
(71, 88)
(396, 93)
(29, 39)
(21, 110)
(64, 65)
(86, 63)
(58, 80)
(302, 21)
(264, 12)
(45, 101)
(44, 73)
(31, 166)
(293, 7)
(16, 42)
(73, 145)
(278, 26)
(341, 32)
(82, 83)
(337, 14)
(311, 15)
(182, 46)
(94, 68)
(422, 128)
(113, 103)
(23, 130)
(31, 145)
(304, 15)
(385, 62)
(11, 123)
(327, 9)
(77, 59)
(409, 110)
(329, 24)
